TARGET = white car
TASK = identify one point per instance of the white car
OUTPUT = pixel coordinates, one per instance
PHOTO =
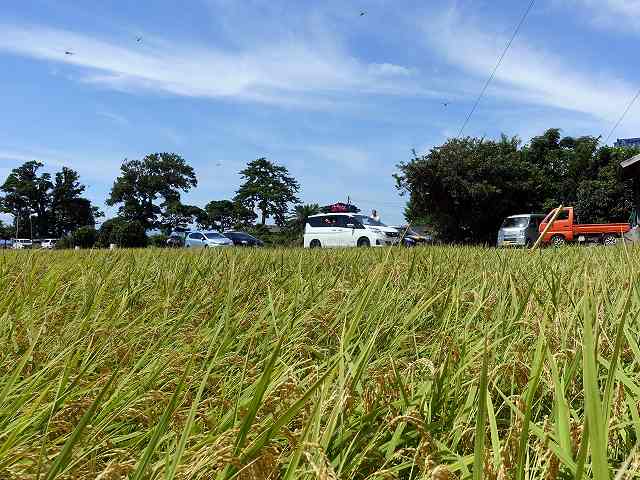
(21, 243)
(206, 240)
(347, 230)
(48, 243)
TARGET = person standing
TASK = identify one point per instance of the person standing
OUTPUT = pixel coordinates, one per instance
(374, 215)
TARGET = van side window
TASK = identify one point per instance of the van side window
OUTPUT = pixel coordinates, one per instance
(342, 221)
(315, 221)
(331, 221)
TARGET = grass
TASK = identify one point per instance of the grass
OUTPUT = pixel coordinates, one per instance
(432, 363)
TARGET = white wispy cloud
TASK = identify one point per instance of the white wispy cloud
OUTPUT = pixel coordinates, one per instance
(281, 71)
(529, 73)
(610, 14)
(353, 158)
(114, 117)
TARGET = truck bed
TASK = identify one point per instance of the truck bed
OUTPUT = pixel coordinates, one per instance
(595, 228)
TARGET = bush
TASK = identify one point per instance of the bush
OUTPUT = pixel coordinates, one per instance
(159, 240)
(65, 242)
(284, 238)
(84, 237)
(124, 233)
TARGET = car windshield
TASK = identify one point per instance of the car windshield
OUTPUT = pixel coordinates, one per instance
(515, 222)
(363, 219)
(213, 235)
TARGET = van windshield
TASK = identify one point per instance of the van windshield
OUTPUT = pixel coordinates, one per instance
(515, 222)
(369, 221)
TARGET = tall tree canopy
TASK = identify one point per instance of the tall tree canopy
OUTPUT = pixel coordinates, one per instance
(146, 188)
(27, 197)
(222, 215)
(69, 209)
(466, 187)
(269, 188)
(50, 208)
(177, 215)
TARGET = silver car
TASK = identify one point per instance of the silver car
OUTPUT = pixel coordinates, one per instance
(206, 240)
(519, 230)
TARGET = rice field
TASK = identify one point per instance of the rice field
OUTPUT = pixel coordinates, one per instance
(429, 363)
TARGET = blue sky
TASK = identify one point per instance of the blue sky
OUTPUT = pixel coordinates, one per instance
(337, 97)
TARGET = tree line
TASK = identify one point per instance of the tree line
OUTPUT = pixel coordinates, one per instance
(464, 188)
(148, 194)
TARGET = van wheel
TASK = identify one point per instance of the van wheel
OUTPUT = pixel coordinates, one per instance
(558, 240)
(315, 243)
(609, 240)
(364, 242)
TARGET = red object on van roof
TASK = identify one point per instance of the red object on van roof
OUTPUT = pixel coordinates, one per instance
(340, 208)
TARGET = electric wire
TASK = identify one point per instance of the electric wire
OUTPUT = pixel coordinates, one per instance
(495, 69)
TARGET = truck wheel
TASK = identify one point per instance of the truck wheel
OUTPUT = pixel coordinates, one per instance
(609, 240)
(364, 242)
(558, 241)
(315, 243)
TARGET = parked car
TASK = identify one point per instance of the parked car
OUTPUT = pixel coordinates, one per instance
(206, 240)
(48, 243)
(519, 230)
(347, 230)
(411, 238)
(565, 229)
(21, 243)
(6, 243)
(175, 241)
(243, 239)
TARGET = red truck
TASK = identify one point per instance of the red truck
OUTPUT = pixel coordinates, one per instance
(565, 230)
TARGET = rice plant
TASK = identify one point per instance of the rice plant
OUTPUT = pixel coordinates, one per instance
(428, 363)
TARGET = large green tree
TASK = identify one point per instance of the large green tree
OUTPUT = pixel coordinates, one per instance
(269, 188)
(70, 210)
(27, 196)
(146, 188)
(177, 215)
(222, 215)
(466, 187)
(47, 208)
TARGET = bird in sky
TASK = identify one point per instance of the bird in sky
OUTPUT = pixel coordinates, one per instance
(138, 39)
(446, 104)
(362, 14)
(67, 52)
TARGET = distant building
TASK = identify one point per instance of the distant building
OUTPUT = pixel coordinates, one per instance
(627, 142)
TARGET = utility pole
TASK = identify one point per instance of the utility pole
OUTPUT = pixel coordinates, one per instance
(31, 225)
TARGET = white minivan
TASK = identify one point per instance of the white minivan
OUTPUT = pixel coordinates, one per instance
(347, 230)
(21, 243)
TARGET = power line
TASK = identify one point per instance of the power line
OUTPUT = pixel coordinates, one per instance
(495, 69)
(624, 114)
